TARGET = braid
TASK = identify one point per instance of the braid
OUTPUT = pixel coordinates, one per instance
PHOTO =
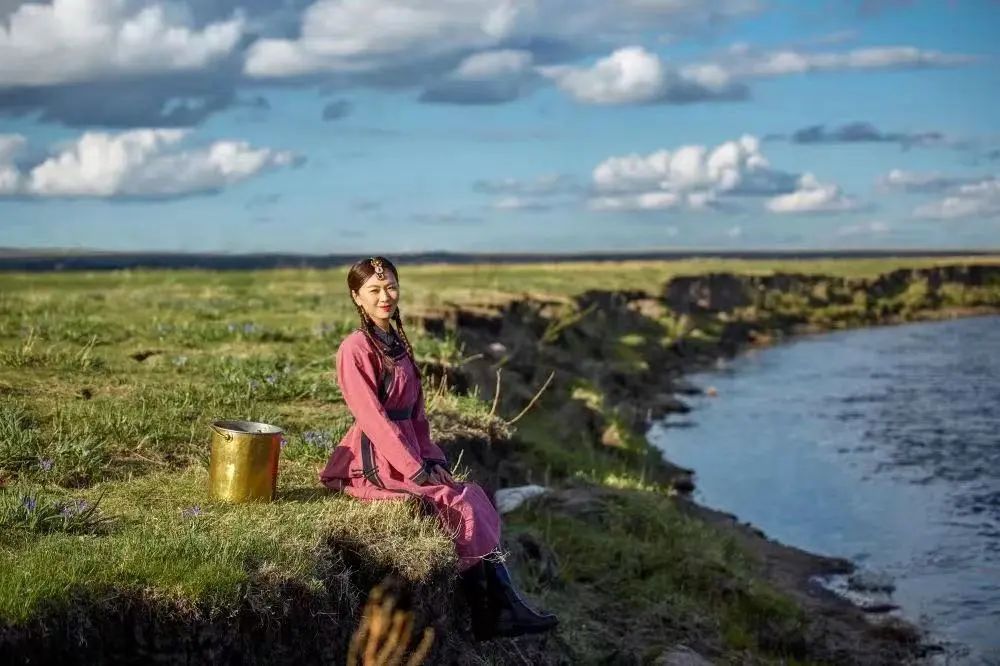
(366, 324)
(396, 317)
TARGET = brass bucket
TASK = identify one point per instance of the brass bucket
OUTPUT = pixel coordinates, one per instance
(244, 464)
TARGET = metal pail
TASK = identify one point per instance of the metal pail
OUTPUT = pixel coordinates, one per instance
(244, 464)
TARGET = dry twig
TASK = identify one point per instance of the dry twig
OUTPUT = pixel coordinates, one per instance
(533, 399)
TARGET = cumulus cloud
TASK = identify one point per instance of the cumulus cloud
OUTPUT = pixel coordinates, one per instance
(362, 35)
(359, 35)
(980, 199)
(83, 40)
(633, 75)
(812, 196)
(695, 177)
(148, 163)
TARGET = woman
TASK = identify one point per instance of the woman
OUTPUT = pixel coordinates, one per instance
(388, 452)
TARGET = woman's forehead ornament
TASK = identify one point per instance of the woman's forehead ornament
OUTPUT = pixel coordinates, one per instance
(377, 265)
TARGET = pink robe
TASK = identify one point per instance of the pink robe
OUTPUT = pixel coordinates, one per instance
(400, 449)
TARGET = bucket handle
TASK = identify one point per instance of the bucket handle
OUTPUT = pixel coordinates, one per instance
(225, 434)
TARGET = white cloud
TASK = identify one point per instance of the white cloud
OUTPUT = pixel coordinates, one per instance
(83, 40)
(358, 35)
(912, 181)
(811, 196)
(493, 64)
(633, 75)
(635, 202)
(744, 62)
(361, 35)
(523, 204)
(627, 76)
(141, 163)
(691, 177)
(976, 199)
(871, 228)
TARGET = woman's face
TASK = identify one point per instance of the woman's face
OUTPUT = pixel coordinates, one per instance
(379, 298)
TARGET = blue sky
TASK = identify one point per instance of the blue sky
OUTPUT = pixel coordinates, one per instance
(499, 125)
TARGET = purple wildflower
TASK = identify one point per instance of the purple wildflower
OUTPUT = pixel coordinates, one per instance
(75, 509)
(283, 441)
(317, 438)
(254, 384)
(192, 511)
(45, 464)
(29, 504)
(249, 328)
(271, 379)
(231, 328)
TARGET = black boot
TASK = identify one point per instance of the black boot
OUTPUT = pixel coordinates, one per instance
(512, 616)
(484, 614)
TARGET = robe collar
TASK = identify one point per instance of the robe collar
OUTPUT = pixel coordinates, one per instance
(390, 342)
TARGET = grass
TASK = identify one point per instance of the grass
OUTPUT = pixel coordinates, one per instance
(635, 556)
(108, 381)
(162, 539)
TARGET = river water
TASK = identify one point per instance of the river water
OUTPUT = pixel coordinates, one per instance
(881, 445)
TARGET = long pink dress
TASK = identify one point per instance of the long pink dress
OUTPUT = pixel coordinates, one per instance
(384, 454)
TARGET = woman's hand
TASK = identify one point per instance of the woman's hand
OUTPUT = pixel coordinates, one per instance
(440, 476)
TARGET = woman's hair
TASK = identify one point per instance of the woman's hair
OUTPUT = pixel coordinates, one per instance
(357, 276)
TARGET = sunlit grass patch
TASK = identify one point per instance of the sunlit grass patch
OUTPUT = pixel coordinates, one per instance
(169, 541)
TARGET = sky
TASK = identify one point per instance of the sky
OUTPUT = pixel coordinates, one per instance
(343, 126)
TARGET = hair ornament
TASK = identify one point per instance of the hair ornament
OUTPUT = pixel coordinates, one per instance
(377, 265)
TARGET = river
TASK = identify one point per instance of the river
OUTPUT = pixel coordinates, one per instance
(881, 445)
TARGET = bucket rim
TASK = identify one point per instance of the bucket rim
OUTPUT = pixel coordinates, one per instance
(240, 427)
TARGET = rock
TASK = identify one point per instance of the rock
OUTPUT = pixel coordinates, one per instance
(879, 607)
(681, 655)
(509, 499)
(685, 387)
(714, 292)
(664, 403)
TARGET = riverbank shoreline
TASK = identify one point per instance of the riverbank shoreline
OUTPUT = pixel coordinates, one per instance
(853, 634)
(92, 387)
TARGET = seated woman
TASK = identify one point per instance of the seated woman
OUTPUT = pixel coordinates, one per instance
(388, 453)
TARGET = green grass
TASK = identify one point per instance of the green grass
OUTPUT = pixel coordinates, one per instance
(108, 381)
(162, 539)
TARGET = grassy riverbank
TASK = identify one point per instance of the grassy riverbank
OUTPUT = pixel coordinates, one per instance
(108, 382)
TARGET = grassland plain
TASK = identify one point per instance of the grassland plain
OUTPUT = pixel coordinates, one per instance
(111, 550)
